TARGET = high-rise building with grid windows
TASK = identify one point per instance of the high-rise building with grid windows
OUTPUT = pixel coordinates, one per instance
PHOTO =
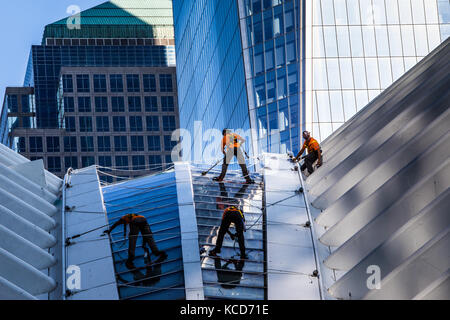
(104, 93)
(283, 66)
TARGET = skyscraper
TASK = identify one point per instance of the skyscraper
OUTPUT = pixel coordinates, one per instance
(280, 67)
(104, 91)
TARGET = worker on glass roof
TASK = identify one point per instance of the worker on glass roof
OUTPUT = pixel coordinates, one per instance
(232, 142)
(137, 224)
(231, 214)
(314, 153)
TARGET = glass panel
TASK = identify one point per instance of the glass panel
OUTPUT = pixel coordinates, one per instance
(330, 41)
(444, 11)
(359, 73)
(340, 11)
(319, 48)
(385, 72)
(382, 41)
(366, 12)
(418, 11)
(323, 106)
(333, 74)
(405, 11)
(392, 11)
(397, 68)
(353, 12)
(356, 41)
(431, 12)
(408, 41)
(379, 12)
(361, 99)
(370, 49)
(349, 104)
(280, 51)
(320, 74)
(278, 22)
(270, 57)
(268, 25)
(372, 73)
(327, 12)
(434, 38)
(317, 14)
(395, 41)
(343, 41)
(337, 111)
(281, 83)
(420, 33)
(346, 73)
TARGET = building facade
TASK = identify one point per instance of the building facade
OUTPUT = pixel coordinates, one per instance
(104, 93)
(299, 64)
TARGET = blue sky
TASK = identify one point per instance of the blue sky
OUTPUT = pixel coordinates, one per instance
(22, 24)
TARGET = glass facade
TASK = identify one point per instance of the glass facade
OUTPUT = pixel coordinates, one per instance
(358, 48)
(302, 65)
(210, 68)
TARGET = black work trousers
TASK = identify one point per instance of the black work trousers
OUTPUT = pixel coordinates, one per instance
(136, 226)
(229, 218)
(230, 154)
(309, 161)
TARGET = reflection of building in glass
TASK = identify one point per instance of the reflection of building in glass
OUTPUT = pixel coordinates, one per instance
(248, 74)
(104, 94)
(357, 48)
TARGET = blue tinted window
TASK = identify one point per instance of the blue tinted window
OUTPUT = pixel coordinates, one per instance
(53, 144)
(54, 164)
(168, 143)
(149, 83)
(118, 104)
(85, 124)
(99, 83)
(70, 144)
(134, 104)
(67, 83)
(87, 144)
(136, 124)
(84, 104)
(102, 124)
(165, 82)
(154, 143)
(133, 83)
(69, 104)
(119, 124)
(116, 83)
(151, 104)
(101, 104)
(137, 143)
(13, 104)
(122, 162)
(169, 123)
(167, 104)
(120, 143)
(83, 83)
(70, 124)
(152, 123)
(138, 162)
(155, 162)
(104, 144)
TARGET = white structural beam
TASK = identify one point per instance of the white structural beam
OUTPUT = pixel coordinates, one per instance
(91, 253)
(290, 245)
(189, 233)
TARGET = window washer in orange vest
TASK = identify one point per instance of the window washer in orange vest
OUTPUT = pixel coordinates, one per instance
(137, 223)
(314, 153)
(233, 142)
(232, 214)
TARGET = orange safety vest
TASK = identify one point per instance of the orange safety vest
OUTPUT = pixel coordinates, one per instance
(231, 140)
(233, 209)
(312, 145)
(128, 218)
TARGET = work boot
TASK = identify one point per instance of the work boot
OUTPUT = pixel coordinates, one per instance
(214, 252)
(162, 255)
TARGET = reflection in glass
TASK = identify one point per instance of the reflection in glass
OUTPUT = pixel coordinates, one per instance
(356, 41)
